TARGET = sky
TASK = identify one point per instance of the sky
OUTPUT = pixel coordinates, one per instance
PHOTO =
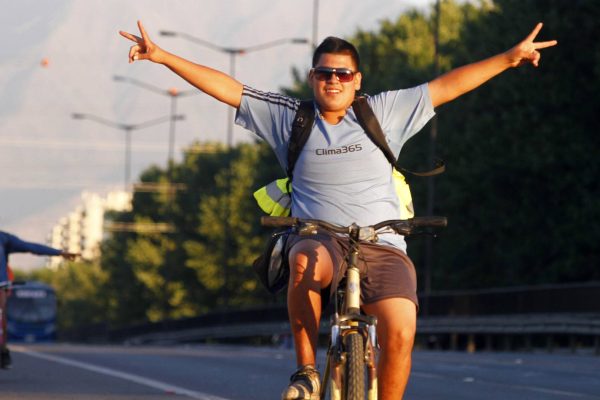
(60, 57)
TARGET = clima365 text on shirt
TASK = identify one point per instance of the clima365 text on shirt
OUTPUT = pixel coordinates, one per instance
(340, 150)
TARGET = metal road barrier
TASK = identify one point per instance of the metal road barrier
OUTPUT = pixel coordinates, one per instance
(576, 324)
(511, 332)
(500, 332)
(542, 317)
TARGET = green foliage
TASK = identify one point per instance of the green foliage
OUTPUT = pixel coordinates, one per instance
(520, 188)
(204, 263)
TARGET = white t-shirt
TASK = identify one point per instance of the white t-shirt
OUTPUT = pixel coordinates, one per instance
(341, 176)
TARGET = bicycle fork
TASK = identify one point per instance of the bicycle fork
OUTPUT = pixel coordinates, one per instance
(351, 322)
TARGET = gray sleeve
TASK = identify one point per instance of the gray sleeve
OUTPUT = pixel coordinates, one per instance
(269, 116)
(402, 113)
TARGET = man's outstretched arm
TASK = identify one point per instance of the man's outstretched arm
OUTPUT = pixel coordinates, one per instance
(17, 245)
(212, 82)
(461, 80)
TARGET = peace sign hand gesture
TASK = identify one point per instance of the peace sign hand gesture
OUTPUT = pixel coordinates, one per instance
(144, 49)
(527, 52)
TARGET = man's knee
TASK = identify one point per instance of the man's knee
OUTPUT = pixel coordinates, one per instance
(310, 263)
(396, 323)
(404, 336)
(399, 338)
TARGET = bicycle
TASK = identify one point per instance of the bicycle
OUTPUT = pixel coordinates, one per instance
(350, 370)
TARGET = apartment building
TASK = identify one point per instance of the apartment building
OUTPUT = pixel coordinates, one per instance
(82, 230)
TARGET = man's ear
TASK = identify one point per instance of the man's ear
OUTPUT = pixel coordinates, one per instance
(310, 79)
(357, 81)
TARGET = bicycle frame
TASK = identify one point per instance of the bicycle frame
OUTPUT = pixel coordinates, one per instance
(353, 342)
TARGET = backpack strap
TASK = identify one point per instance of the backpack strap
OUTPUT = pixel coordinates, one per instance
(301, 128)
(367, 120)
(440, 166)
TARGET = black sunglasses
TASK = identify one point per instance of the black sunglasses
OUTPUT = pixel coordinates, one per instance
(325, 74)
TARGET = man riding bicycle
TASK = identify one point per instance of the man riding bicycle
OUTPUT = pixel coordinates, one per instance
(344, 187)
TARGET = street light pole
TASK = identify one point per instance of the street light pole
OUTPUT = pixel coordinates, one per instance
(127, 128)
(233, 52)
(315, 23)
(173, 93)
(232, 60)
(433, 133)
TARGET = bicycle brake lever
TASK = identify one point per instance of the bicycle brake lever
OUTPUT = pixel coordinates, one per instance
(368, 234)
(307, 229)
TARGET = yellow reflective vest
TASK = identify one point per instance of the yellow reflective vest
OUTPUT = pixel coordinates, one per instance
(275, 198)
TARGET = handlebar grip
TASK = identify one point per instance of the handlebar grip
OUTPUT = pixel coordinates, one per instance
(278, 222)
(430, 222)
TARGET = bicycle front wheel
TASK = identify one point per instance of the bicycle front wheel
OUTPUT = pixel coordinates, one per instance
(355, 367)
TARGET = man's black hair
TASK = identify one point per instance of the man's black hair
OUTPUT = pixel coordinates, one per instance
(335, 45)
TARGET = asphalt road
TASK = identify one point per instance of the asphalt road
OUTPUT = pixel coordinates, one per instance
(53, 372)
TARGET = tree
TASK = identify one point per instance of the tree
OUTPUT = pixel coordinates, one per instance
(520, 194)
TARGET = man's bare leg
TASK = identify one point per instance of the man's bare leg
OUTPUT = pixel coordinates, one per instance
(396, 326)
(311, 269)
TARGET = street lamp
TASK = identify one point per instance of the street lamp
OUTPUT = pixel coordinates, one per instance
(315, 23)
(433, 133)
(174, 94)
(128, 128)
(233, 52)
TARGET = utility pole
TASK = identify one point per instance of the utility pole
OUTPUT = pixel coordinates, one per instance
(233, 52)
(315, 24)
(433, 133)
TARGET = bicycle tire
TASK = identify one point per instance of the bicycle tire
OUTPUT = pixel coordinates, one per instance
(355, 367)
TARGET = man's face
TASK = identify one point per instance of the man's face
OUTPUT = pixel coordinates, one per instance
(333, 96)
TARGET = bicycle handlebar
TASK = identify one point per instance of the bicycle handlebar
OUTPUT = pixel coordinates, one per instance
(278, 222)
(404, 227)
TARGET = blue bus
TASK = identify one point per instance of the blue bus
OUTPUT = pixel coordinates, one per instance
(31, 313)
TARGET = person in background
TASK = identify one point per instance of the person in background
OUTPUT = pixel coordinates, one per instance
(9, 244)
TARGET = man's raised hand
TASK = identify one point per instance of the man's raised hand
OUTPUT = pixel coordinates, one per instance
(527, 52)
(144, 48)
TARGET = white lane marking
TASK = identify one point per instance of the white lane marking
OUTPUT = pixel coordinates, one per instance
(119, 374)
(554, 392)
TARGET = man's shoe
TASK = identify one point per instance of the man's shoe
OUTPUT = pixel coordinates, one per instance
(304, 385)
(5, 360)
